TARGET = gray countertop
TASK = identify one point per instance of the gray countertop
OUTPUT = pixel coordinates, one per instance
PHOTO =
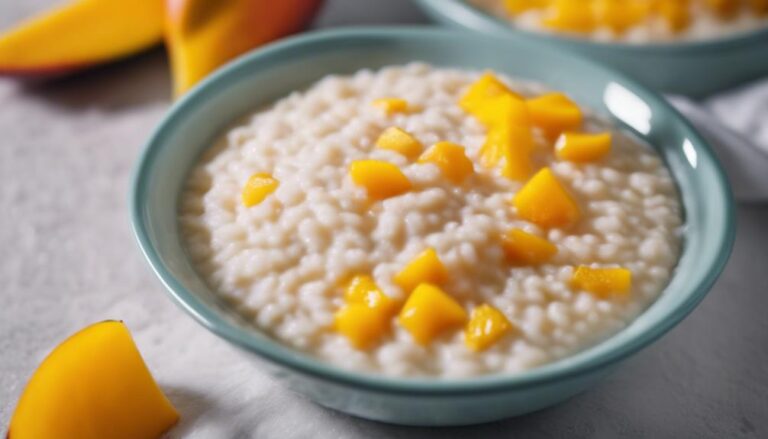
(68, 258)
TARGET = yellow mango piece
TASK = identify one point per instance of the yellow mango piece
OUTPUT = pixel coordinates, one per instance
(381, 179)
(523, 248)
(620, 15)
(257, 188)
(364, 291)
(515, 7)
(486, 326)
(391, 105)
(451, 159)
(544, 201)
(401, 141)
(429, 312)
(583, 147)
(80, 34)
(676, 13)
(94, 385)
(426, 267)
(488, 86)
(570, 16)
(554, 113)
(604, 282)
(362, 325)
(502, 110)
(512, 145)
(202, 35)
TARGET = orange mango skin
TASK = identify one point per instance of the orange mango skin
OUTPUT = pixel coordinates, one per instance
(202, 35)
(94, 385)
(80, 34)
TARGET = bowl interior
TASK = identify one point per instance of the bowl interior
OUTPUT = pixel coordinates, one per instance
(268, 74)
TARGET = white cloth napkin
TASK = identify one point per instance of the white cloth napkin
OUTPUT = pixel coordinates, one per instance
(736, 124)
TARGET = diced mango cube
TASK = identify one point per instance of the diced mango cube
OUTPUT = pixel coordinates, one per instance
(523, 248)
(502, 109)
(676, 13)
(424, 268)
(381, 179)
(429, 312)
(399, 140)
(603, 282)
(486, 326)
(544, 201)
(363, 290)
(488, 86)
(514, 7)
(451, 159)
(362, 325)
(257, 188)
(391, 105)
(620, 15)
(570, 16)
(583, 147)
(513, 144)
(554, 113)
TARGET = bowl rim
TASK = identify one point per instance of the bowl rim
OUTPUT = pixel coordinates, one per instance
(462, 14)
(304, 364)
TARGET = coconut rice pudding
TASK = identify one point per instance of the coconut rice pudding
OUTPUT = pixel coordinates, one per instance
(632, 21)
(423, 221)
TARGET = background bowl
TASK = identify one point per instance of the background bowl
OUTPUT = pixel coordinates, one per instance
(695, 69)
(293, 64)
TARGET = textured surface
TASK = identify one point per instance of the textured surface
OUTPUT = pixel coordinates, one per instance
(67, 258)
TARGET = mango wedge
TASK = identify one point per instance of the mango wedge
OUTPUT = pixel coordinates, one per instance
(94, 385)
(202, 35)
(80, 34)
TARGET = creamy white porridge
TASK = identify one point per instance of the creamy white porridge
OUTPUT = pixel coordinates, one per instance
(284, 262)
(634, 21)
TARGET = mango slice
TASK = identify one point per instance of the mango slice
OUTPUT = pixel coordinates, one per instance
(451, 159)
(367, 315)
(554, 113)
(583, 147)
(94, 385)
(676, 13)
(80, 34)
(257, 188)
(486, 326)
(487, 86)
(426, 267)
(363, 290)
(570, 16)
(391, 106)
(603, 282)
(202, 35)
(429, 312)
(544, 201)
(523, 248)
(381, 179)
(399, 140)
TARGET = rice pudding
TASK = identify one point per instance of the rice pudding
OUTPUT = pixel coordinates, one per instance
(632, 21)
(424, 221)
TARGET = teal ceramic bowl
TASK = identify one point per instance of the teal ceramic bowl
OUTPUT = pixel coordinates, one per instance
(267, 74)
(695, 69)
